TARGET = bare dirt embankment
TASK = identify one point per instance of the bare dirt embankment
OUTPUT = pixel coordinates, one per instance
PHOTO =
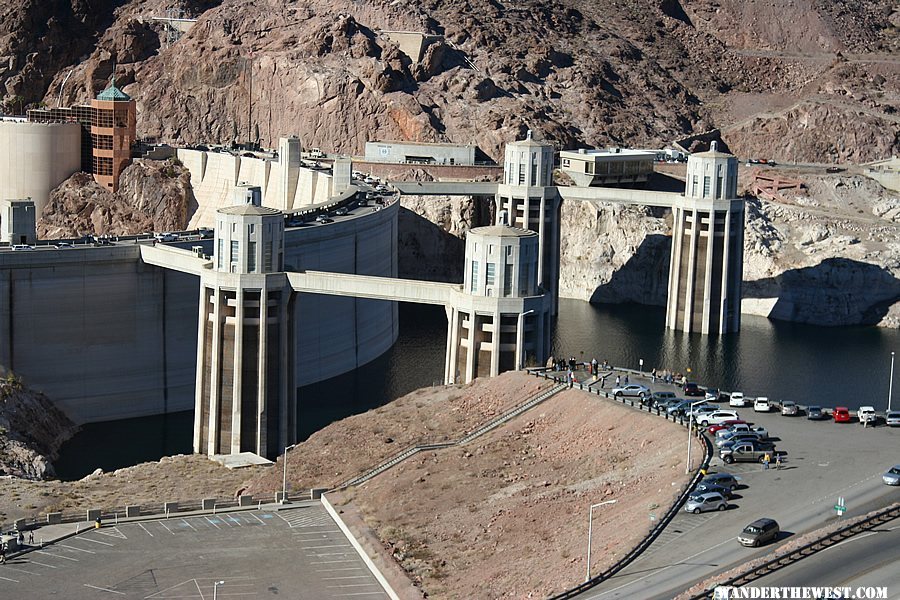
(505, 516)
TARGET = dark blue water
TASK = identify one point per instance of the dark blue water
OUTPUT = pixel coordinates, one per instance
(784, 361)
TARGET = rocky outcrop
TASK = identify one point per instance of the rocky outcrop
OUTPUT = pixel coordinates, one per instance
(152, 196)
(32, 430)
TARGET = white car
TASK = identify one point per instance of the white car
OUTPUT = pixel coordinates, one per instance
(717, 417)
(789, 409)
(18, 247)
(742, 428)
(761, 404)
(633, 389)
(166, 237)
(866, 414)
(736, 399)
(892, 418)
(698, 503)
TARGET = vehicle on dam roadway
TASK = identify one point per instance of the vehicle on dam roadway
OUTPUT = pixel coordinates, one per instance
(634, 390)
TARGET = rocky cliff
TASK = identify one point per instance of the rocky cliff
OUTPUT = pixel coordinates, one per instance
(32, 430)
(152, 196)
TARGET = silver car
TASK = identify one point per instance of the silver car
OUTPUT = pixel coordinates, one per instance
(892, 477)
(633, 389)
(892, 418)
(698, 503)
(789, 408)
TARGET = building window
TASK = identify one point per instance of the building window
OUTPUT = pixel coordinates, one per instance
(251, 256)
(220, 255)
(473, 285)
(267, 258)
(706, 183)
(235, 251)
(507, 280)
(720, 187)
(251, 228)
(521, 173)
(491, 272)
(694, 187)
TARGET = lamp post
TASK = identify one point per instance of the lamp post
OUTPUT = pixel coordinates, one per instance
(587, 576)
(687, 468)
(891, 384)
(216, 588)
(284, 475)
(520, 335)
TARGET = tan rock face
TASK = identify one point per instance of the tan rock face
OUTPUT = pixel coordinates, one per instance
(153, 196)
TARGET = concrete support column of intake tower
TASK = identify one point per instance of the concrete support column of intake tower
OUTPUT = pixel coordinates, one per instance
(500, 302)
(243, 397)
(707, 248)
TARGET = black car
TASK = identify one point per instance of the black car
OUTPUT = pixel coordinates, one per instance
(724, 479)
(692, 389)
(708, 487)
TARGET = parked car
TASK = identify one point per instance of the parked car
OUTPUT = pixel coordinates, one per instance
(635, 390)
(704, 487)
(761, 404)
(716, 417)
(737, 438)
(815, 413)
(324, 219)
(892, 477)
(166, 237)
(20, 247)
(698, 503)
(700, 410)
(759, 532)
(892, 418)
(692, 389)
(660, 397)
(665, 404)
(748, 451)
(724, 479)
(789, 409)
(713, 395)
(62, 245)
(867, 415)
(743, 428)
(841, 414)
(679, 408)
(341, 211)
(736, 399)
(723, 426)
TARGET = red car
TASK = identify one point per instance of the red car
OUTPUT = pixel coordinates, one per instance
(692, 389)
(712, 429)
(841, 414)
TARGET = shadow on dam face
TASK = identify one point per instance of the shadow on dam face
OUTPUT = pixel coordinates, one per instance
(416, 360)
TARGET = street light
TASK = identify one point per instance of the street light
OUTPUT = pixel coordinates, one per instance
(891, 384)
(687, 468)
(284, 476)
(587, 576)
(216, 588)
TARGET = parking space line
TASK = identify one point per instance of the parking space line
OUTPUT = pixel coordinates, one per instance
(380, 593)
(166, 528)
(347, 577)
(315, 532)
(346, 585)
(188, 524)
(8, 579)
(55, 555)
(211, 522)
(141, 525)
(326, 546)
(19, 570)
(103, 589)
(317, 554)
(76, 548)
(42, 564)
(261, 522)
(328, 562)
(339, 569)
(87, 539)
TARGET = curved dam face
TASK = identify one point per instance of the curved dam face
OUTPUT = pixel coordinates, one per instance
(107, 336)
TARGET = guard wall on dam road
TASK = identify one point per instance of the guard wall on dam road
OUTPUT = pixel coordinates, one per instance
(107, 336)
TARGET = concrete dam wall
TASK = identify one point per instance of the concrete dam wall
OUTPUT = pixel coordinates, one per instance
(108, 337)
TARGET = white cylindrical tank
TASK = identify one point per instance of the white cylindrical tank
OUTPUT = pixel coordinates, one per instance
(37, 157)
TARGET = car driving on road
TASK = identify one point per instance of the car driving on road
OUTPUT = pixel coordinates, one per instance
(759, 532)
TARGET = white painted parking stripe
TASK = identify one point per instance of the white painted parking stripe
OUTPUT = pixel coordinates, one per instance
(112, 532)
(326, 546)
(141, 525)
(8, 579)
(315, 532)
(103, 589)
(258, 519)
(188, 524)
(166, 528)
(379, 593)
(56, 555)
(87, 539)
(346, 577)
(40, 563)
(328, 562)
(211, 523)
(6, 566)
(76, 548)
(339, 569)
(347, 585)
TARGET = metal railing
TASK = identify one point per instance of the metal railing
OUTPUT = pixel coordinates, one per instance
(479, 431)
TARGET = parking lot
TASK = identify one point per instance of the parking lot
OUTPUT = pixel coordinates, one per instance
(822, 461)
(292, 553)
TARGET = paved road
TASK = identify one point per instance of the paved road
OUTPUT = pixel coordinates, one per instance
(293, 553)
(870, 559)
(824, 460)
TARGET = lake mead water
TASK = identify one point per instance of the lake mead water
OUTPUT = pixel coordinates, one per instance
(785, 361)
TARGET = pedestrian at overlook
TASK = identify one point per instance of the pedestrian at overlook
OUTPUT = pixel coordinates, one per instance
(766, 460)
(618, 381)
